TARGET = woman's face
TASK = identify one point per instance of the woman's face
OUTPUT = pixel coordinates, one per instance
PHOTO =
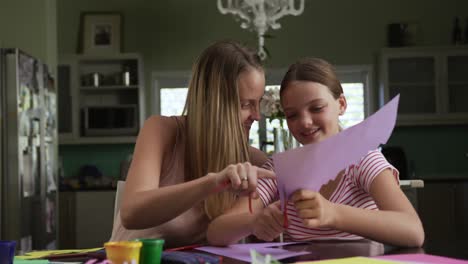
(251, 85)
(311, 111)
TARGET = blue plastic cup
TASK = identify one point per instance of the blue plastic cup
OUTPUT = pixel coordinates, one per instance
(7, 251)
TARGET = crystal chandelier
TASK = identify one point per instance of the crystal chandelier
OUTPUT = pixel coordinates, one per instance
(260, 15)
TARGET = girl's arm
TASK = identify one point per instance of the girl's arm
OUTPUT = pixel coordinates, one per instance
(396, 222)
(144, 204)
(238, 223)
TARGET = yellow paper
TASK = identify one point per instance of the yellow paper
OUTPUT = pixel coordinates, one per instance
(353, 260)
(46, 253)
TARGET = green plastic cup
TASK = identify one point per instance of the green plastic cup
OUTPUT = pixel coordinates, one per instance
(151, 251)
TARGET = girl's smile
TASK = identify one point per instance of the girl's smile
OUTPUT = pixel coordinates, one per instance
(311, 111)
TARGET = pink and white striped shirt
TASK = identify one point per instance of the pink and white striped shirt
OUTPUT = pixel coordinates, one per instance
(353, 190)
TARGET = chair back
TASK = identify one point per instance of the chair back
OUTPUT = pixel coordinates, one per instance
(118, 196)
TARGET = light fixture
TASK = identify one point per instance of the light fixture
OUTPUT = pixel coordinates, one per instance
(260, 15)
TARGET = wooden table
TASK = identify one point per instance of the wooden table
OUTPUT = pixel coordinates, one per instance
(318, 250)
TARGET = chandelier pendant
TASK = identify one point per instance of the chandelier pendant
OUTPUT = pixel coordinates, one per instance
(260, 15)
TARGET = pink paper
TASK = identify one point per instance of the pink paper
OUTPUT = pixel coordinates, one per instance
(311, 166)
(264, 245)
(423, 258)
(242, 251)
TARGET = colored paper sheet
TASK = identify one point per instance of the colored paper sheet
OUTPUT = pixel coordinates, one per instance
(46, 253)
(352, 260)
(264, 245)
(313, 165)
(422, 258)
(25, 261)
(242, 251)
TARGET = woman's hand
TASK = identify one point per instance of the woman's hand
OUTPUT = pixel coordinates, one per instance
(268, 223)
(241, 178)
(314, 210)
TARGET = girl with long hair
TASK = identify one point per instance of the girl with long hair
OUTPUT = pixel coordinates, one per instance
(189, 169)
(363, 201)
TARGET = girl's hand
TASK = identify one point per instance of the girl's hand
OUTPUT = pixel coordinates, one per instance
(241, 178)
(268, 223)
(315, 211)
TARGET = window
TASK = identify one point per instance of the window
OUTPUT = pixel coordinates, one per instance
(172, 101)
(356, 82)
(170, 93)
(354, 93)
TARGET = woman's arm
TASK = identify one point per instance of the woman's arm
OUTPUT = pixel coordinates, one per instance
(233, 225)
(238, 223)
(257, 157)
(143, 200)
(395, 223)
(145, 205)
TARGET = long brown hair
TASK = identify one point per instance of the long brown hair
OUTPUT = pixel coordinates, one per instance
(313, 70)
(215, 135)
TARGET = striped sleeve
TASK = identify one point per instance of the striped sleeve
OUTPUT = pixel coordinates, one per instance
(370, 166)
(267, 188)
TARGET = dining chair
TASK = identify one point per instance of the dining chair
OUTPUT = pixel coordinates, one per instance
(410, 188)
(118, 197)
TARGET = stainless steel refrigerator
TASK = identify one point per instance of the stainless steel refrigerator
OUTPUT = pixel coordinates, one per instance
(28, 165)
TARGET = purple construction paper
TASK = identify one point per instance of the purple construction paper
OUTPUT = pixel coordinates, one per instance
(263, 245)
(243, 253)
(313, 165)
(423, 258)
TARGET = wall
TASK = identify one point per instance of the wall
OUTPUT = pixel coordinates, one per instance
(173, 33)
(31, 26)
(434, 151)
(106, 158)
(170, 34)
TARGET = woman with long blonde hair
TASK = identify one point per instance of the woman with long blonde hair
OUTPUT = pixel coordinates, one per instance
(187, 170)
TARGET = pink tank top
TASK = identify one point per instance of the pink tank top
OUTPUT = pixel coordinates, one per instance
(185, 229)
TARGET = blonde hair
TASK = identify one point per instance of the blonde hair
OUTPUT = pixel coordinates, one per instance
(215, 135)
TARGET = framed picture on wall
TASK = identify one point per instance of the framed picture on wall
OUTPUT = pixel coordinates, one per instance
(100, 33)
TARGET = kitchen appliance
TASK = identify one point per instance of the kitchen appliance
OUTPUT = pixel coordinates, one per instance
(116, 120)
(28, 192)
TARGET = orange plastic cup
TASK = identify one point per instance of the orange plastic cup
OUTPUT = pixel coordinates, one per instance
(123, 252)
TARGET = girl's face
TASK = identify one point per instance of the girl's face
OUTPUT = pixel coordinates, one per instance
(251, 88)
(311, 111)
